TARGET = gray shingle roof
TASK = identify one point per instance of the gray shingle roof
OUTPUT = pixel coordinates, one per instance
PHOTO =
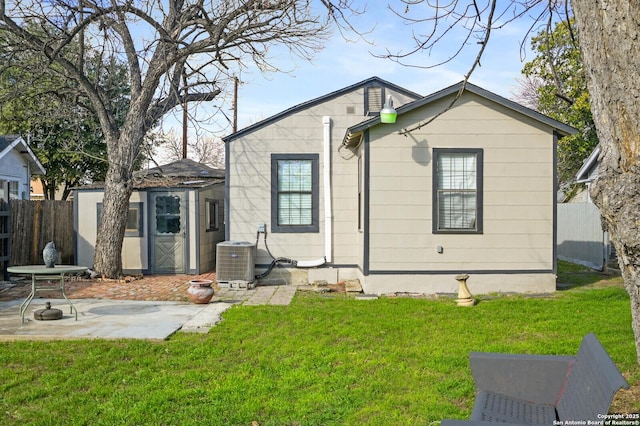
(179, 174)
(352, 133)
(316, 101)
(183, 168)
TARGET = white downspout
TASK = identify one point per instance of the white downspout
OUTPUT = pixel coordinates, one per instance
(328, 224)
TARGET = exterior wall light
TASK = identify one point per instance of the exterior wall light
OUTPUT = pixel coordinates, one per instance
(387, 113)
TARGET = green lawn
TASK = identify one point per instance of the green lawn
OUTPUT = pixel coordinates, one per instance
(322, 360)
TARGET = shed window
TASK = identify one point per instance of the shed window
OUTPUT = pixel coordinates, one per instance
(212, 213)
(168, 214)
(294, 197)
(134, 219)
(457, 190)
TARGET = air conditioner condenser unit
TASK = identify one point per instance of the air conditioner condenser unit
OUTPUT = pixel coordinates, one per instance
(235, 264)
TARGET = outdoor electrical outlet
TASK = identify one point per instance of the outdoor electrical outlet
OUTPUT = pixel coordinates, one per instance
(262, 228)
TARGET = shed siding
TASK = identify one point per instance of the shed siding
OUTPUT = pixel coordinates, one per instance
(135, 250)
(86, 225)
(210, 238)
(518, 205)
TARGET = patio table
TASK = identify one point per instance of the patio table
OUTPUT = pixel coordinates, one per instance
(41, 272)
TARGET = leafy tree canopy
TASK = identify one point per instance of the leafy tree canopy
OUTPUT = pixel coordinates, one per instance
(38, 100)
(562, 94)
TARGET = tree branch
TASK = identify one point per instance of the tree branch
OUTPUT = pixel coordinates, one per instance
(476, 63)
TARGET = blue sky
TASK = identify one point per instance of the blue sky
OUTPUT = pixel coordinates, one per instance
(342, 63)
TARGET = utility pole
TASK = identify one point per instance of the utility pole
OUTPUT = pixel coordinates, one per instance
(235, 104)
(184, 115)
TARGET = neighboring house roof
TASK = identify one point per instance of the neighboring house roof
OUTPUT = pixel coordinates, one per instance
(352, 135)
(589, 170)
(10, 142)
(179, 174)
(316, 101)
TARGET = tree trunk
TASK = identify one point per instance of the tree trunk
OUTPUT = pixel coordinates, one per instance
(107, 259)
(609, 39)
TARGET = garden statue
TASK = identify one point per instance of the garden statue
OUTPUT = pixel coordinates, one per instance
(49, 254)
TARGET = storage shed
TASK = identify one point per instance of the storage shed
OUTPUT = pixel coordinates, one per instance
(175, 220)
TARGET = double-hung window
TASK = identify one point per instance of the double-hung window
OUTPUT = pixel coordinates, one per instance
(294, 192)
(457, 190)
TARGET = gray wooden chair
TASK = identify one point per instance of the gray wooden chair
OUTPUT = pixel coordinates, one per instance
(541, 389)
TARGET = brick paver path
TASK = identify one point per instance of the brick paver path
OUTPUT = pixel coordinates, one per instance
(152, 288)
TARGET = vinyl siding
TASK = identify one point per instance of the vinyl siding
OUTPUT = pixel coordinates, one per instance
(250, 181)
(13, 167)
(518, 204)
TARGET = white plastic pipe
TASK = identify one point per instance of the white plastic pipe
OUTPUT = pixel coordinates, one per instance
(328, 222)
(310, 263)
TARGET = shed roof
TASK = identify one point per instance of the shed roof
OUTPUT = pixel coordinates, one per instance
(179, 174)
(9, 142)
(308, 104)
(184, 168)
(354, 133)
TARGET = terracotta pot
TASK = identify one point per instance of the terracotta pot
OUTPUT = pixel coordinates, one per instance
(200, 291)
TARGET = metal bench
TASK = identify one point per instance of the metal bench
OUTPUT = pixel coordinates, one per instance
(543, 389)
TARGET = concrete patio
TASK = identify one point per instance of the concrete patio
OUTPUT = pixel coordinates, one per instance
(130, 319)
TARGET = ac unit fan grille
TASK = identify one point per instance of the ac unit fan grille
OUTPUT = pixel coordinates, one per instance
(235, 262)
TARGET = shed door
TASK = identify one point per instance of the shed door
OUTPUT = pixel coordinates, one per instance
(168, 218)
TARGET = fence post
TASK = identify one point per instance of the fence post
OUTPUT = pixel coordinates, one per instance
(36, 231)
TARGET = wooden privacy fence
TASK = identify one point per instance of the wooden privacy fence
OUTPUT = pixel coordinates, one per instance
(32, 224)
(4, 238)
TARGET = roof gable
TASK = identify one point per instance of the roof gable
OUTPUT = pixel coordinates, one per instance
(589, 170)
(353, 133)
(325, 98)
(11, 142)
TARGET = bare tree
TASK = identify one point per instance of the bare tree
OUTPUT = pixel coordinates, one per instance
(608, 33)
(527, 92)
(201, 149)
(176, 52)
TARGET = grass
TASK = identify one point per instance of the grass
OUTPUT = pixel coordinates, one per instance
(571, 275)
(323, 360)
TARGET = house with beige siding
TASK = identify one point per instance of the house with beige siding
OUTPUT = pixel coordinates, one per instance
(175, 220)
(449, 188)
